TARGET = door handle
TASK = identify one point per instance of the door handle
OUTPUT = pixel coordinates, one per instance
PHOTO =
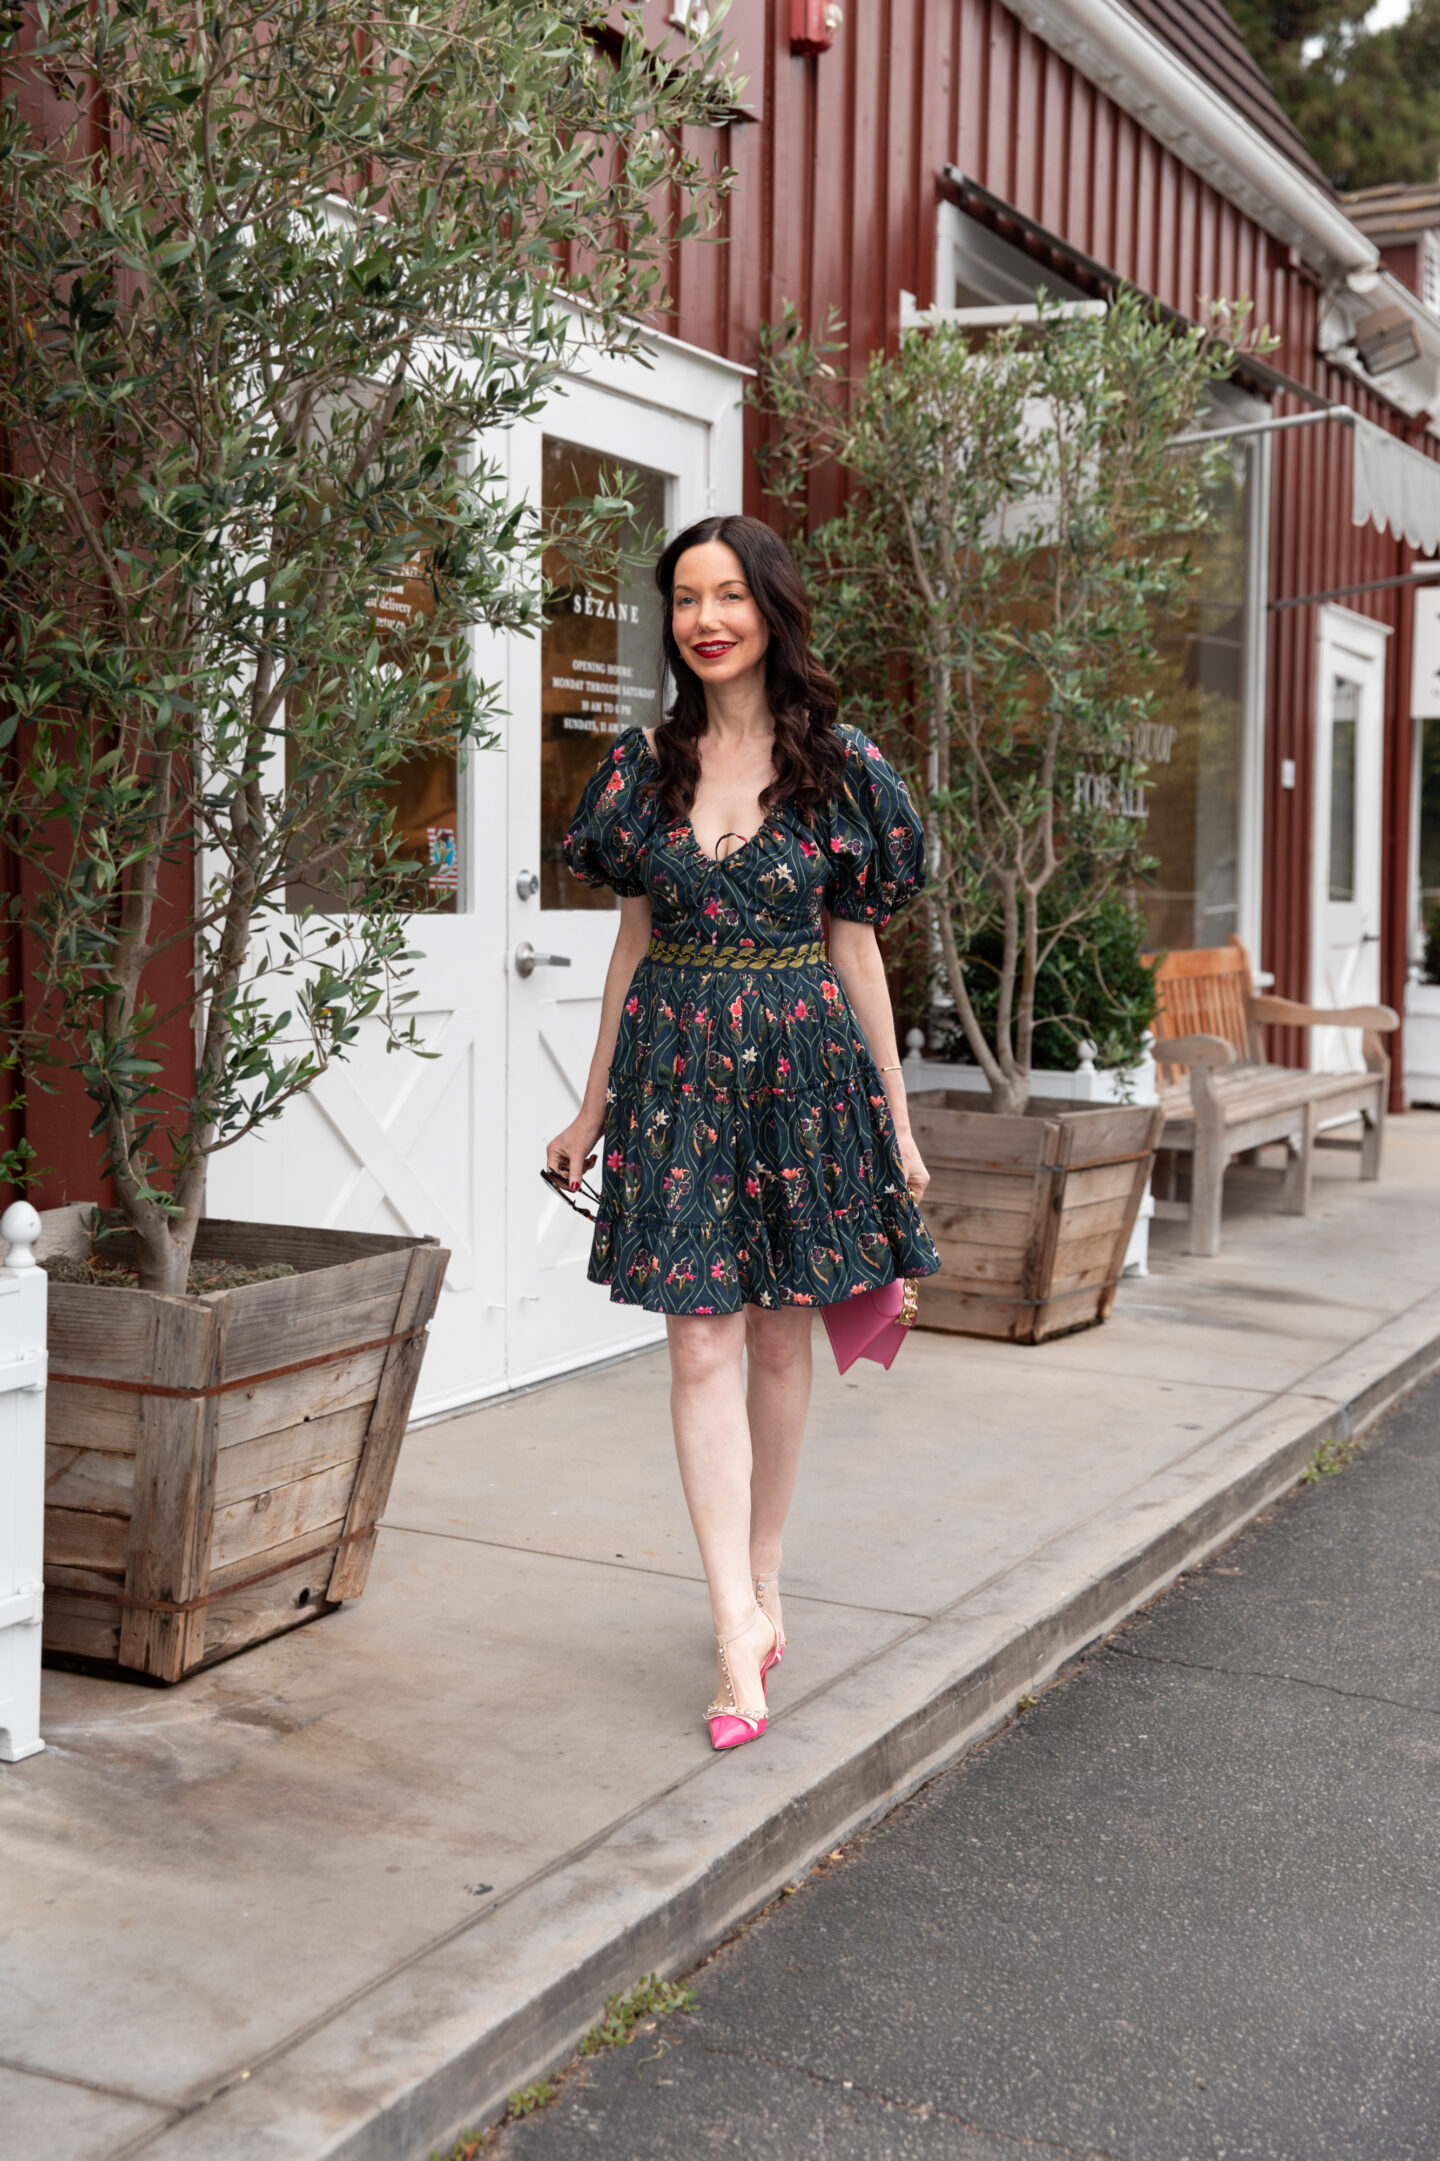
(527, 960)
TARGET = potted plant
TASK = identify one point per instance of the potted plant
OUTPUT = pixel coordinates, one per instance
(1094, 1002)
(287, 273)
(1014, 524)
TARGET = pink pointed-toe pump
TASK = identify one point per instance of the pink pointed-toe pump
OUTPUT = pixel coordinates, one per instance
(730, 1726)
(766, 1588)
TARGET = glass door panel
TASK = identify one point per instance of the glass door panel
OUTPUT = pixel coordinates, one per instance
(1345, 715)
(423, 793)
(599, 661)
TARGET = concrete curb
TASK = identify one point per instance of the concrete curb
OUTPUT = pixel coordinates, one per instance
(438, 2044)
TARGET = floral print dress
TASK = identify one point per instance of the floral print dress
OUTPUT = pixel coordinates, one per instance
(749, 1154)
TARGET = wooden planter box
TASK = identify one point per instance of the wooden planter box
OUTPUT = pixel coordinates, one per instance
(215, 1466)
(1032, 1216)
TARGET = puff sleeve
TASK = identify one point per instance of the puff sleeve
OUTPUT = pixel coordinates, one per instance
(605, 840)
(876, 841)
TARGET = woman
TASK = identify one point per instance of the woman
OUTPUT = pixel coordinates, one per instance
(758, 1156)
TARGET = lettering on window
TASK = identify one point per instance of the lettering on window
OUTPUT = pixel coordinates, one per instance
(599, 666)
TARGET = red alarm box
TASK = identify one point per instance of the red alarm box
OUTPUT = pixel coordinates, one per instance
(813, 24)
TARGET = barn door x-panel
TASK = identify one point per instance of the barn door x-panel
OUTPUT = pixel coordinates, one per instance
(411, 1145)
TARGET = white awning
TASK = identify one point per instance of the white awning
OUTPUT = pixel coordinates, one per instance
(1392, 485)
(1395, 486)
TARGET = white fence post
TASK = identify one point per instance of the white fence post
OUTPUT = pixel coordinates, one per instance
(22, 1482)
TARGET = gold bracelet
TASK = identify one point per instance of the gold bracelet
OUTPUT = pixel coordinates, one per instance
(889, 1068)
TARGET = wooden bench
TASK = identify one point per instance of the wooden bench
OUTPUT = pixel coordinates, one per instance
(1222, 1098)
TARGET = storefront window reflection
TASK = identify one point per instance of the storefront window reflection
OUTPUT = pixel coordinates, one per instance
(423, 792)
(1189, 797)
(599, 666)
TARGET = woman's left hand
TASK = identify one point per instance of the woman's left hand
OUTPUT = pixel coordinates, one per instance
(916, 1175)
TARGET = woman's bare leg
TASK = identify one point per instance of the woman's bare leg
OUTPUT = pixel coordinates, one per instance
(778, 1401)
(712, 1443)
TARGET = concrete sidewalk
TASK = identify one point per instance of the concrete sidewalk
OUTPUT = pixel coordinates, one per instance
(338, 1897)
(1185, 1908)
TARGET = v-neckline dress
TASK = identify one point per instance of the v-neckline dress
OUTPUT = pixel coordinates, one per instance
(749, 1152)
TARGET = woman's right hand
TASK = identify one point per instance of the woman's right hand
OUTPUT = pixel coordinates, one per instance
(573, 1152)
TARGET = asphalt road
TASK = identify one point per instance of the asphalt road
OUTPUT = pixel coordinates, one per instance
(1187, 1906)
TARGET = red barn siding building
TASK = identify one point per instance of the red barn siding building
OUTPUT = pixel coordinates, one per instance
(958, 150)
(946, 153)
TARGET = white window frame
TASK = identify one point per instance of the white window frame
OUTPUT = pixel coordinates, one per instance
(969, 257)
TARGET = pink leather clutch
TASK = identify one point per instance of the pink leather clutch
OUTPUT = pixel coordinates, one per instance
(874, 1325)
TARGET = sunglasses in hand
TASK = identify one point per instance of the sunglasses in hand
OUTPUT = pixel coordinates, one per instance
(557, 1182)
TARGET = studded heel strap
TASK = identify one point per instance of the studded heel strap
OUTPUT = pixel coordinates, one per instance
(730, 1707)
(764, 1585)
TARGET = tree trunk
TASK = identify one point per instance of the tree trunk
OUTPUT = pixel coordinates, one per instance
(163, 1254)
(1009, 1094)
(1009, 1087)
(164, 1242)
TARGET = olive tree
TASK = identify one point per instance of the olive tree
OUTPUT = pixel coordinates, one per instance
(269, 295)
(988, 597)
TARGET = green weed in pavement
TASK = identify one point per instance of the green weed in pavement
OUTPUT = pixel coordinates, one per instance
(465, 2148)
(1329, 1457)
(623, 2017)
(529, 2098)
(471, 2144)
(650, 1998)
(624, 2014)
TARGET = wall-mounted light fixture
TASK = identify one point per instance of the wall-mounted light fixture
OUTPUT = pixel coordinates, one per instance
(1386, 340)
(813, 24)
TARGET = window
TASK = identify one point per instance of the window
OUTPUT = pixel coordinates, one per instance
(600, 665)
(976, 268)
(1345, 713)
(424, 789)
(1189, 797)
(425, 797)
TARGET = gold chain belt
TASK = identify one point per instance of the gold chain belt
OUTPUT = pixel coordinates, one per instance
(737, 956)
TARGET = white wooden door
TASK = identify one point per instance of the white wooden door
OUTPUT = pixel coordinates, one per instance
(1349, 758)
(452, 1144)
(592, 675)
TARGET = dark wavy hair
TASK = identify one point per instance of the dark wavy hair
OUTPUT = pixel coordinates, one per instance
(809, 756)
